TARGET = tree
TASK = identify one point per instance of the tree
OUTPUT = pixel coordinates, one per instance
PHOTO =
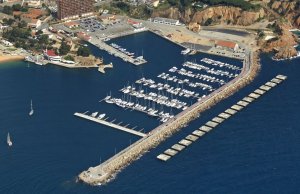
(24, 9)
(39, 32)
(7, 10)
(64, 48)
(83, 51)
(22, 24)
(69, 58)
(16, 7)
(44, 39)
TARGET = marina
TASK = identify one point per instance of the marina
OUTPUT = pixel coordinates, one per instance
(212, 124)
(164, 100)
(212, 92)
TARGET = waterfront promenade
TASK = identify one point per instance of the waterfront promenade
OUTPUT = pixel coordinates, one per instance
(104, 172)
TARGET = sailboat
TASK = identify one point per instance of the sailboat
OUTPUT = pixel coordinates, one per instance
(31, 110)
(9, 142)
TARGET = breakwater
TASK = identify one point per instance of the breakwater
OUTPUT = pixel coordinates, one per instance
(106, 171)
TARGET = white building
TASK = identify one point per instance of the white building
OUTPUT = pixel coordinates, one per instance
(166, 21)
(6, 43)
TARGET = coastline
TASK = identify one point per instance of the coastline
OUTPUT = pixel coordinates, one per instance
(11, 58)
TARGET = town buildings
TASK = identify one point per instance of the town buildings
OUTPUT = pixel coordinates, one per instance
(71, 9)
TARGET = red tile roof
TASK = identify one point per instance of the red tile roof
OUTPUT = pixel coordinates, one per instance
(51, 53)
(226, 44)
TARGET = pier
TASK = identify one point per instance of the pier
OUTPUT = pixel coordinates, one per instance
(113, 51)
(188, 140)
(110, 124)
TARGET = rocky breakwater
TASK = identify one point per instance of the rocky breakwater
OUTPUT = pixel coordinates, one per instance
(106, 171)
(283, 44)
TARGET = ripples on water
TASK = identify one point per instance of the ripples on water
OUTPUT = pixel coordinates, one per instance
(256, 151)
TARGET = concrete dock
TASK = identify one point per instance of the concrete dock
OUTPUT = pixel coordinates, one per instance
(253, 95)
(211, 124)
(163, 157)
(178, 147)
(185, 142)
(218, 119)
(230, 111)
(258, 91)
(242, 103)
(237, 107)
(113, 51)
(224, 115)
(205, 128)
(265, 88)
(282, 77)
(198, 133)
(248, 99)
(270, 84)
(275, 80)
(110, 124)
(192, 137)
(171, 152)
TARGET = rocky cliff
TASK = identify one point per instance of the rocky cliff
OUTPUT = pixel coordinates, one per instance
(227, 15)
(283, 45)
(215, 15)
(289, 9)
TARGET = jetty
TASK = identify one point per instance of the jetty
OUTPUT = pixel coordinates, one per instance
(102, 68)
(110, 124)
(188, 140)
(104, 172)
(113, 51)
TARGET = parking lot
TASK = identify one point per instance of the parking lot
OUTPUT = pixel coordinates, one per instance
(91, 25)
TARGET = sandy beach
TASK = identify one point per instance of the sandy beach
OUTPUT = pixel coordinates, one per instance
(8, 58)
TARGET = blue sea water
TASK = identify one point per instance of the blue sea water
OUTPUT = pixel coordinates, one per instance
(255, 151)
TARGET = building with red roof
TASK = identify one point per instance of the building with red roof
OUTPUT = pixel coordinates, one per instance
(51, 55)
(227, 45)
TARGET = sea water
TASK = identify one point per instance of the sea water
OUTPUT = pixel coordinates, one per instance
(255, 151)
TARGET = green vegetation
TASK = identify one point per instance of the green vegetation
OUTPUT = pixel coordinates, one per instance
(8, 22)
(183, 4)
(64, 48)
(17, 7)
(275, 28)
(123, 8)
(21, 37)
(236, 3)
(83, 51)
(69, 58)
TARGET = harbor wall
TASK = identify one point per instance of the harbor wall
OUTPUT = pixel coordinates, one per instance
(106, 171)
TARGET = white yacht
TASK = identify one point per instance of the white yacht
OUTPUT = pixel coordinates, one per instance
(9, 142)
(31, 109)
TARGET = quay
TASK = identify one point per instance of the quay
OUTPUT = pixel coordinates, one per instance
(113, 51)
(104, 172)
(210, 125)
(110, 124)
